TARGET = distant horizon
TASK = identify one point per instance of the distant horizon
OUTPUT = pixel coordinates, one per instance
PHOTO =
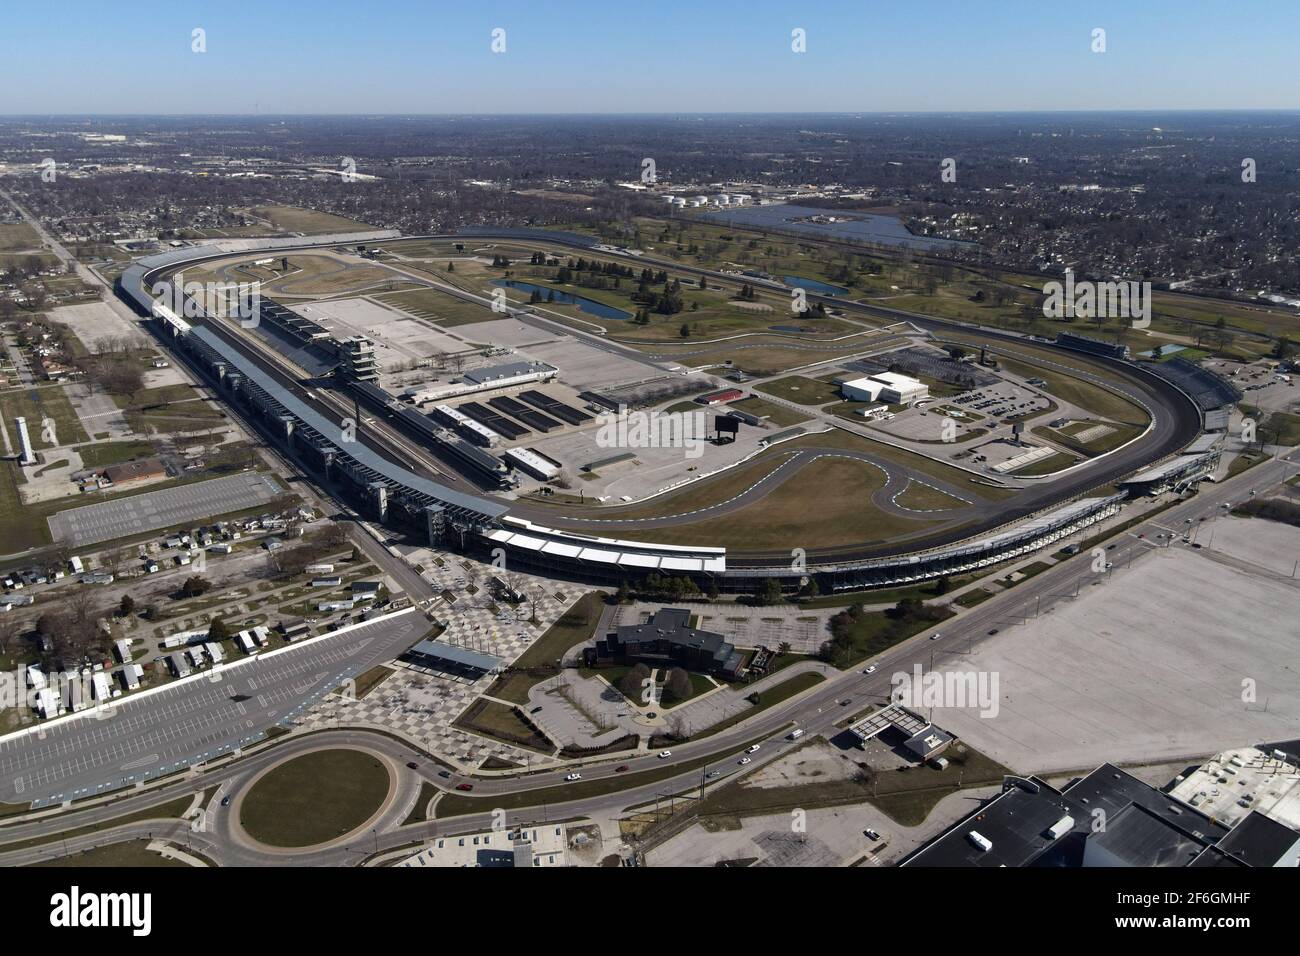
(668, 113)
(508, 58)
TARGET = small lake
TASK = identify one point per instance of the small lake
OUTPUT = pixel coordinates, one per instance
(789, 328)
(590, 306)
(849, 224)
(814, 285)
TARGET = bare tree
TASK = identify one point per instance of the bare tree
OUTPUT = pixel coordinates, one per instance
(9, 633)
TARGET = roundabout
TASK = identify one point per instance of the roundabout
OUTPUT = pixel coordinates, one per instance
(314, 799)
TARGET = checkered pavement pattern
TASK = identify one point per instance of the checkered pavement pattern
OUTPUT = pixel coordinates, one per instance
(421, 706)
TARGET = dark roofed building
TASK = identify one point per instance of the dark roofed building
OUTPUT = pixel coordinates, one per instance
(667, 639)
(437, 655)
(1262, 841)
(1108, 818)
(1138, 837)
(133, 472)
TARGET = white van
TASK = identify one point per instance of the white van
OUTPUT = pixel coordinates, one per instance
(796, 734)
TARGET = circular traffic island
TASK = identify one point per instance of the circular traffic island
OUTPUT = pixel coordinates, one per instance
(315, 798)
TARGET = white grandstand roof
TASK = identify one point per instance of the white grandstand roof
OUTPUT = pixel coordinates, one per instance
(643, 555)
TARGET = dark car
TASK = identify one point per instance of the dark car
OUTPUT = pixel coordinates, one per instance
(465, 786)
(446, 774)
(225, 801)
(413, 765)
(620, 769)
(535, 710)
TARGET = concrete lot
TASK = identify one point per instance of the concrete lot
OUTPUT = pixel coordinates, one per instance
(834, 836)
(1148, 665)
(508, 333)
(655, 468)
(584, 366)
(1267, 544)
(744, 626)
(160, 509)
(819, 762)
(93, 321)
(98, 412)
(397, 338)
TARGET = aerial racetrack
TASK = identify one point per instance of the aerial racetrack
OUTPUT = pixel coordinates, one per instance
(888, 502)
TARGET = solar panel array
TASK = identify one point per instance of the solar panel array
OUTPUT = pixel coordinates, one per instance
(555, 407)
(492, 419)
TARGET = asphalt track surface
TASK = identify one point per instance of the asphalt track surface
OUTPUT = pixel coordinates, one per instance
(815, 711)
(1175, 422)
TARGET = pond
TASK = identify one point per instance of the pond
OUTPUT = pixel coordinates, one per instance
(813, 285)
(843, 224)
(590, 306)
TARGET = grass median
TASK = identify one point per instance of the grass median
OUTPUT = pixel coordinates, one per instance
(455, 804)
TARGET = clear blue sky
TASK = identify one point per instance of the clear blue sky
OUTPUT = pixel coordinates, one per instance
(406, 56)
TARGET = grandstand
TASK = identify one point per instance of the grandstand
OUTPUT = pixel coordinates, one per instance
(1207, 390)
(364, 469)
(1084, 343)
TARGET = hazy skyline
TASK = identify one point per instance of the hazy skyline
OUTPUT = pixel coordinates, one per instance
(405, 57)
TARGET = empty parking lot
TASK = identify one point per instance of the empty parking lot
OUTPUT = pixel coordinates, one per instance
(159, 732)
(152, 510)
(1152, 665)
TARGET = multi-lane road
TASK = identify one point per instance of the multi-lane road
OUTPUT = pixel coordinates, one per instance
(546, 796)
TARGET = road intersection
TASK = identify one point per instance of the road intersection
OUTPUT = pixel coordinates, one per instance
(816, 712)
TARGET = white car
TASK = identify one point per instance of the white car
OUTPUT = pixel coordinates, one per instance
(665, 753)
(753, 750)
(572, 776)
(713, 773)
(744, 760)
(870, 670)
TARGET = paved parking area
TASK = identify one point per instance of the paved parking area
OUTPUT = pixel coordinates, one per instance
(746, 626)
(158, 733)
(832, 837)
(99, 322)
(1148, 666)
(152, 510)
